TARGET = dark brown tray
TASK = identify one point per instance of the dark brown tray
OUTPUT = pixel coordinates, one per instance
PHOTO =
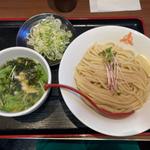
(53, 117)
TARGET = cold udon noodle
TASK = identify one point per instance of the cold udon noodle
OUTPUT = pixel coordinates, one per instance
(113, 78)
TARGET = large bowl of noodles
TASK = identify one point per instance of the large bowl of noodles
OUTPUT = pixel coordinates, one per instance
(23, 74)
(112, 68)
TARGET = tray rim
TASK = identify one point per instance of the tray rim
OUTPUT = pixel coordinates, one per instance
(98, 136)
(141, 19)
(145, 136)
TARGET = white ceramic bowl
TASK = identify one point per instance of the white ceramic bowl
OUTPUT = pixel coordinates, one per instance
(134, 124)
(14, 52)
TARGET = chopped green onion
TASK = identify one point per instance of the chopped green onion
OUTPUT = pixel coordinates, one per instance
(49, 38)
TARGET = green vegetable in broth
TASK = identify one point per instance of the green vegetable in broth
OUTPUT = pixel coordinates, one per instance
(21, 84)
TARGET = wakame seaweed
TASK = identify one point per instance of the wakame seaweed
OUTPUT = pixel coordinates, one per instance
(21, 84)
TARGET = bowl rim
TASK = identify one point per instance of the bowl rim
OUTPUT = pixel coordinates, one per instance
(43, 98)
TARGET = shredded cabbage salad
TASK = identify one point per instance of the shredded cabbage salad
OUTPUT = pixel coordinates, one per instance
(49, 38)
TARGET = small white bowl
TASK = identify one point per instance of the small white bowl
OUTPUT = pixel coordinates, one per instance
(15, 52)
